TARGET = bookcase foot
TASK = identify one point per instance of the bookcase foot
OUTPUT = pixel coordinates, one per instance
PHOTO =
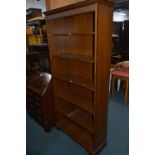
(90, 153)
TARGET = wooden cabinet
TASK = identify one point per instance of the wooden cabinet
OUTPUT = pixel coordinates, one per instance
(80, 45)
(39, 101)
(32, 13)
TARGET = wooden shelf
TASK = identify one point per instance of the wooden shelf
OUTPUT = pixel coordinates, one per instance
(81, 118)
(85, 58)
(38, 35)
(72, 34)
(86, 83)
(78, 101)
(79, 134)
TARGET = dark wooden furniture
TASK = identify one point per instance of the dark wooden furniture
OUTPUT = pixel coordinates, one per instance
(37, 47)
(33, 12)
(39, 102)
(79, 37)
(120, 38)
(42, 53)
(32, 64)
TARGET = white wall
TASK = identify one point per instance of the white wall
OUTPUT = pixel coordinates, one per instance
(36, 4)
(121, 16)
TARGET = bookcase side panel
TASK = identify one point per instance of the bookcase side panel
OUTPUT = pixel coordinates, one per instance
(102, 69)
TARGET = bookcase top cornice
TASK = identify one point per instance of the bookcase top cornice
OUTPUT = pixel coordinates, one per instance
(79, 4)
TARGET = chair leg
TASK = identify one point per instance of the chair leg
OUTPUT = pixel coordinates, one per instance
(118, 84)
(113, 85)
(109, 82)
(126, 90)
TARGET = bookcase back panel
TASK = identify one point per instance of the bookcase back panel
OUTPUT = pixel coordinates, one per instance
(74, 68)
(74, 113)
(61, 86)
(77, 132)
(80, 44)
(57, 44)
(74, 44)
(64, 107)
(83, 23)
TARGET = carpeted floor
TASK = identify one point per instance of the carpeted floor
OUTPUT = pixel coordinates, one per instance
(58, 143)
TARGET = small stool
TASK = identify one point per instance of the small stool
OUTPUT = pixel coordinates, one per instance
(122, 75)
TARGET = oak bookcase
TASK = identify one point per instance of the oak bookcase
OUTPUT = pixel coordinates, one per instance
(80, 43)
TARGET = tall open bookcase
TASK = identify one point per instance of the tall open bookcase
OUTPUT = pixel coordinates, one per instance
(80, 43)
